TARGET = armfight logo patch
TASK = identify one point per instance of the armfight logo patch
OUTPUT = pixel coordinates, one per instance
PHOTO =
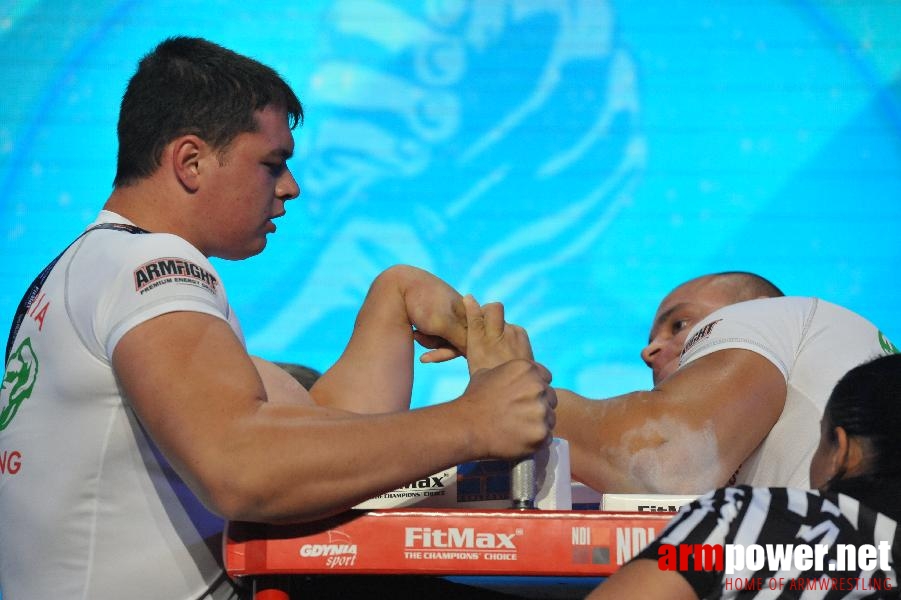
(155, 273)
(702, 333)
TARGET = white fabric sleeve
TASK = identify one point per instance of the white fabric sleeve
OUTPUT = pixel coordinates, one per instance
(771, 327)
(136, 277)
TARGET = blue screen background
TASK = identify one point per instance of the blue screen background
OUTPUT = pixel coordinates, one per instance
(573, 159)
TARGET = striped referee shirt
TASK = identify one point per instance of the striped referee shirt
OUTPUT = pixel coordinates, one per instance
(745, 516)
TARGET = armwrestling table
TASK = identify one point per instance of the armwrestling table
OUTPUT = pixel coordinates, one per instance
(521, 548)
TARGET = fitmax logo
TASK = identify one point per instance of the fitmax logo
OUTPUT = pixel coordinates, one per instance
(435, 481)
(452, 537)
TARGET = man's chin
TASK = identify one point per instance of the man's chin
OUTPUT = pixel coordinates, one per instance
(258, 248)
(247, 252)
(661, 375)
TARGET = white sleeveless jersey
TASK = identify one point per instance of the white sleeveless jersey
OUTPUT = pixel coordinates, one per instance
(813, 343)
(88, 508)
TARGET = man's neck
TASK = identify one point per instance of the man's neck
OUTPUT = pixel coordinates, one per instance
(152, 207)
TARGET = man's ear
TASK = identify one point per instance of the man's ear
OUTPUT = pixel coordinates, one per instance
(186, 154)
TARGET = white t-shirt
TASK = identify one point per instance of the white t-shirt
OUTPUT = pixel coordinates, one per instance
(89, 509)
(813, 343)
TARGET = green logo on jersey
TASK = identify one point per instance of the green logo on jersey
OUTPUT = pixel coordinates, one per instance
(889, 347)
(18, 381)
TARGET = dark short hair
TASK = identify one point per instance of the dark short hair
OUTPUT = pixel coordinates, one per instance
(748, 286)
(866, 403)
(189, 85)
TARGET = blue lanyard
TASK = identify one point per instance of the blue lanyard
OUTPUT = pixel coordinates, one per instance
(38, 282)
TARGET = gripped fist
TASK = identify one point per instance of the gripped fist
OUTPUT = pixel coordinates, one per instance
(513, 406)
(491, 341)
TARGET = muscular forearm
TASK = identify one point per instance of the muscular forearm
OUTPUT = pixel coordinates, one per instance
(637, 443)
(597, 453)
(283, 462)
(688, 435)
(326, 461)
(375, 372)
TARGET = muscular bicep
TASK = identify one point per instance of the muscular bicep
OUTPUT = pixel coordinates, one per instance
(734, 398)
(688, 435)
(190, 382)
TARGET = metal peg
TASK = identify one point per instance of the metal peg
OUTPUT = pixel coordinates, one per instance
(523, 487)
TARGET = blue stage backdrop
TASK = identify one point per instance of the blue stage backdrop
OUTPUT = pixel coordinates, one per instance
(573, 159)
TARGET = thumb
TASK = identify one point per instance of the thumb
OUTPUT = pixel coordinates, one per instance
(475, 318)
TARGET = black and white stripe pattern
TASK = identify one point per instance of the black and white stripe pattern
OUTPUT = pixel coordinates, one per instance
(748, 516)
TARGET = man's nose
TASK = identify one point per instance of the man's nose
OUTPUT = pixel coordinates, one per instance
(650, 352)
(287, 188)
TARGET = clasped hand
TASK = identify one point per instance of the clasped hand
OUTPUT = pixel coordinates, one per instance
(489, 340)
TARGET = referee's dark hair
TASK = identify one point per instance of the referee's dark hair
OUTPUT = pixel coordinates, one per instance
(866, 402)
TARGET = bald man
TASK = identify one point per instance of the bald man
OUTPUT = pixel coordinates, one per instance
(741, 377)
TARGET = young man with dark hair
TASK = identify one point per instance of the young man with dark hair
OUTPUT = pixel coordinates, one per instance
(142, 422)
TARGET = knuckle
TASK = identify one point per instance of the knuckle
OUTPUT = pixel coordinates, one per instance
(551, 420)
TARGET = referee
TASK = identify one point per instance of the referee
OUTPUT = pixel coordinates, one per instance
(842, 541)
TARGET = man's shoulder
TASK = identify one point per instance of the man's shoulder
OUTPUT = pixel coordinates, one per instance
(780, 308)
(794, 315)
(787, 303)
(775, 303)
(775, 328)
(761, 311)
(112, 257)
(119, 240)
